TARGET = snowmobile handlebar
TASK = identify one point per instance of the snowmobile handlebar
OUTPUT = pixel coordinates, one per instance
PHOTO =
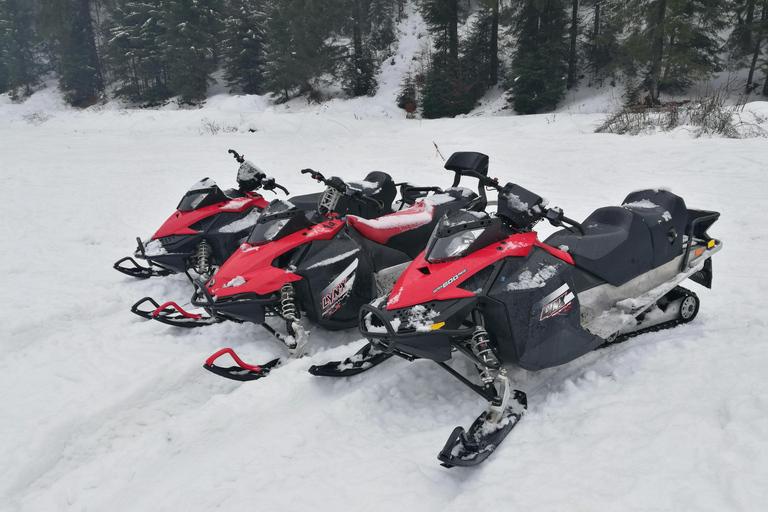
(268, 183)
(238, 157)
(334, 181)
(359, 196)
(556, 218)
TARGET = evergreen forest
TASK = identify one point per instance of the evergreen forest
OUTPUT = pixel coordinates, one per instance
(148, 51)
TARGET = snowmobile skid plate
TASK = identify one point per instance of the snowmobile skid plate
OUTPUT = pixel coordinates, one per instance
(172, 314)
(473, 447)
(365, 359)
(243, 371)
(138, 271)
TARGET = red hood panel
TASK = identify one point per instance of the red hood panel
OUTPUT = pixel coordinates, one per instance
(250, 268)
(179, 222)
(414, 287)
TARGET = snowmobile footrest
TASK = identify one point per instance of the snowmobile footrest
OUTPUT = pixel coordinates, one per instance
(473, 447)
(138, 271)
(242, 372)
(365, 359)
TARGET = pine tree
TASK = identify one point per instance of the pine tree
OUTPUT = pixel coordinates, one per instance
(358, 73)
(382, 23)
(69, 25)
(445, 93)
(675, 42)
(19, 70)
(478, 67)
(243, 44)
(189, 45)
(539, 66)
(408, 96)
(134, 51)
(301, 44)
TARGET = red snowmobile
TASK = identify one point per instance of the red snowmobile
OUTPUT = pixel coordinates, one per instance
(325, 269)
(208, 225)
(487, 288)
(339, 198)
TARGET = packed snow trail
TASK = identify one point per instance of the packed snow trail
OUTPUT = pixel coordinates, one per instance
(101, 410)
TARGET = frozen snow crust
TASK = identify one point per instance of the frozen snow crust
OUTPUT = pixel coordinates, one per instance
(103, 411)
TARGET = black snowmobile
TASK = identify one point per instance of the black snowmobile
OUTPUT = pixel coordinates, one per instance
(487, 288)
(293, 265)
(208, 225)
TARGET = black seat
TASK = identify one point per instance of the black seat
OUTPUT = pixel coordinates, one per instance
(665, 215)
(620, 243)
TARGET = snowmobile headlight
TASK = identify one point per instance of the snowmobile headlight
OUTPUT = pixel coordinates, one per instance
(454, 246)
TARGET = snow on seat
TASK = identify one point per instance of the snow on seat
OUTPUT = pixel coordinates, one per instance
(382, 228)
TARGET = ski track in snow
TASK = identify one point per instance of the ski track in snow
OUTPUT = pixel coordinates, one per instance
(103, 410)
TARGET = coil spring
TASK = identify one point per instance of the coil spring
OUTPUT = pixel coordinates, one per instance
(287, 305)
(203, 258)
(482, 349)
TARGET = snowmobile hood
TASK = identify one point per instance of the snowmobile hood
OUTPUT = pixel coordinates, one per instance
(179, 223)
(424, 282)
(250, 268)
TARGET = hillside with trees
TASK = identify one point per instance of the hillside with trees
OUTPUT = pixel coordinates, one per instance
(147, 52)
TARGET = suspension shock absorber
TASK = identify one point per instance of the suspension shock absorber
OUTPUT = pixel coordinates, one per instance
(481, 347)
(203, 258)
(297, 340)
(288, 308)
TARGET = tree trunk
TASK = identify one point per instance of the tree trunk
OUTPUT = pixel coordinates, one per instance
(453, 33)
(95, 62)
(493, 50)
(756, 52)
(596, 26)
(657, 50)
(572, 56)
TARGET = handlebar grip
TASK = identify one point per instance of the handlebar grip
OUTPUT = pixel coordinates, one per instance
(315, 175)
(238, 157)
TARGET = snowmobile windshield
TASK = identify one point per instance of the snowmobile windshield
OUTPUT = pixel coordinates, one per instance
(249, 176)
(203, 193)
(279, 219)
(461, 233)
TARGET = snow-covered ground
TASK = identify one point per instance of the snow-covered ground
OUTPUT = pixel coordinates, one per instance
(100, 410)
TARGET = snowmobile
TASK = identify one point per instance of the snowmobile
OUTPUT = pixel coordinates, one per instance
(486, 288)
(208, 225)
(292, 265)
(338, 198)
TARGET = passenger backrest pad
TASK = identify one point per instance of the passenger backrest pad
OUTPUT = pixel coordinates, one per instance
(665, 215)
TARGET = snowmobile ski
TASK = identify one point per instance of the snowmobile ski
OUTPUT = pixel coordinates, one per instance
(365, 359)
(138, 271)
(473, 447)
(243, 371)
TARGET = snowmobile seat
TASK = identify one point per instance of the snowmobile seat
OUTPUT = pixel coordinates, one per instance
(408, 230)
(666, 216)
(378, 185)
(616, 245)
